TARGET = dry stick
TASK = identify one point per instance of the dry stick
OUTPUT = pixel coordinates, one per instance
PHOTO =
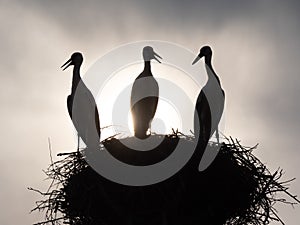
(49, 221)
(51, 160)
(259, 212)
(275, 214)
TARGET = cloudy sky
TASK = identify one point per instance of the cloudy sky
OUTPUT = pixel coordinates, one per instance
(256, 48)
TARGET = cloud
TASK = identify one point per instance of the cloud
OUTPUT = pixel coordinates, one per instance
(256, 54)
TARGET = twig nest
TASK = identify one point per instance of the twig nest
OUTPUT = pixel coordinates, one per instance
(235, 189)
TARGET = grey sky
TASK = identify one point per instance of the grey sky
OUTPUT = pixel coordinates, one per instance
(256, 48)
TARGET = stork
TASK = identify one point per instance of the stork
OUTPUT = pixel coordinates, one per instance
(144, 96)
(210, 102)
(82, 107)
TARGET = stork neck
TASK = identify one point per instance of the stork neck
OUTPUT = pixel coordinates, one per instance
(208, 61)
(147, 66)
(211, 72)
(76, 77)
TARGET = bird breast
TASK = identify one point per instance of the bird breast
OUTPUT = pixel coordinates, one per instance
(142, 88)
(215, 97)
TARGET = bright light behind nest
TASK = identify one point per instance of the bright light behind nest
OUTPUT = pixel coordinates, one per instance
(175, 108)
(166, 118)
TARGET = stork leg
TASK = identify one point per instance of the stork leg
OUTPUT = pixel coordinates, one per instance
(149, 129)
(78, 142)
(217, 135)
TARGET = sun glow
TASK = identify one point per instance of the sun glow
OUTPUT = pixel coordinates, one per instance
(172, 110)
(166, 118)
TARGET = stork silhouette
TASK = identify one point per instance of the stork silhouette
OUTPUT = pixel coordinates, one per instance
(82, 107)
(144, 96)
(210, 103)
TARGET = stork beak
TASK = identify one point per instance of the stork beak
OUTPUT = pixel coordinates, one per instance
(197, 59)
(156, 56)
(67, 64)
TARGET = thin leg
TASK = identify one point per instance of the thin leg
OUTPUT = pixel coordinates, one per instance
(217, 135)
(149, 128)
(78, 142)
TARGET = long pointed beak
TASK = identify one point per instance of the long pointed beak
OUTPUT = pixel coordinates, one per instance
(196, 60)
(67, 64)
(157, 55)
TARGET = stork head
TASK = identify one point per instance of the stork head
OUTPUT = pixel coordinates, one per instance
(76, 59)
(204, 51)
(148, 54)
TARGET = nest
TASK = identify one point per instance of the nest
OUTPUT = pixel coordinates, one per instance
(235, 189)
